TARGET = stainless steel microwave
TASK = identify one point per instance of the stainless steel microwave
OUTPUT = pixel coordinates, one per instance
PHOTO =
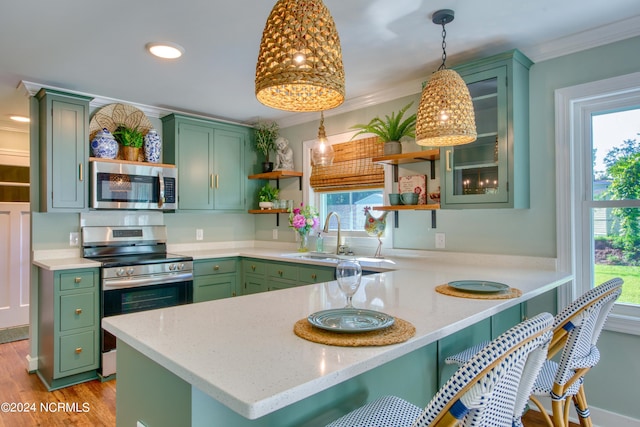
(116, 185)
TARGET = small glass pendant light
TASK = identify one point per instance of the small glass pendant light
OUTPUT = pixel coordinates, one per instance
(322, 152)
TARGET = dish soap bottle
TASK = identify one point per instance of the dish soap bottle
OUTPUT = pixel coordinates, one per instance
(319, 243)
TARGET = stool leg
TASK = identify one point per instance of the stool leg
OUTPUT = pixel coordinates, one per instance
(580, 400)
(558, 409)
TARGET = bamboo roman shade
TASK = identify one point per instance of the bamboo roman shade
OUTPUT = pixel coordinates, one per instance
(352, 168)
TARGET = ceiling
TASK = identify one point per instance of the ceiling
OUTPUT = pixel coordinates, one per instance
(388, 47)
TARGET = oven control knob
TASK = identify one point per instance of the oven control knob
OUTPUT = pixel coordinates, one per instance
(181, 266)
(172, 267)
(120, 272)
(130, 271)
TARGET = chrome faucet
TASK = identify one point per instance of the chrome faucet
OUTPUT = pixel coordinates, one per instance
(326, 228)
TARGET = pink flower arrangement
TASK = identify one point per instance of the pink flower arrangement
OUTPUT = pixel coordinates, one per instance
(303, 219)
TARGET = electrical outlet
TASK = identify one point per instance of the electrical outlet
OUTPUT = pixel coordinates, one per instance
(74, 239)
(199, 234)
(440, 241)
(275, 234)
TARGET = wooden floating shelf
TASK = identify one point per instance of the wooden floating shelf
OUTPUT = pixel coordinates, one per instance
(431, 207)
(276, 175)
(414, 157)
(267, 211)
(129, 162)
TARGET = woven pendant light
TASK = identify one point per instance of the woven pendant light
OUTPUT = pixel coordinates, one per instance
(445, 114)
(300, 60)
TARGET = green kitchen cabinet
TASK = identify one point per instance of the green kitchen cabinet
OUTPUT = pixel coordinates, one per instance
(254, 277)
(210, 158)
(64, 150)
(316, 274)
(215, 279)
(282, 275)
(493, 171)
(68, 326)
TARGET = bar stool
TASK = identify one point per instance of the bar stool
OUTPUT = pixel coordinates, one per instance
(482, 392)
(576, 332)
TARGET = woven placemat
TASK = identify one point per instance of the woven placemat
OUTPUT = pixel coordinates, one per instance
(448, 290)
(400, 331)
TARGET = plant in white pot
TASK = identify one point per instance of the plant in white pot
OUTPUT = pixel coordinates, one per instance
(266, 134)
(266, 195)
(391, 129)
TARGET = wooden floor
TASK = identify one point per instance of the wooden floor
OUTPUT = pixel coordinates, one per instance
(92, 403)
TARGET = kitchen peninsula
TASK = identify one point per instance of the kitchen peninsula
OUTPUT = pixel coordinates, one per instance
(237, 362)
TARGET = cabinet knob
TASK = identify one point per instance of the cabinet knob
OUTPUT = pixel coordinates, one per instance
(78, 311)
(216, 268)
(78, 279)
(280, 272)
(78, 350)
(313, 276)
(253, 268)
(233, 294)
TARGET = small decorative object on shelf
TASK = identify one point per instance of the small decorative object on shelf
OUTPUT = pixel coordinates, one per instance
(266, 134)
(152, 146)
(303, 220)
(391, 130)
(104, 145)
(267, 195)
(375, 227)
(284, 159)
(414, 184)
(131, 140)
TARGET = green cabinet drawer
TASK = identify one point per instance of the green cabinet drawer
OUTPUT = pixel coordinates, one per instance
(315, 274)
(77, 310)
(252, 266)
(276, 285)
(254, 283)
(214, 266)
(78, 351)
(77, 280)
(283, 271)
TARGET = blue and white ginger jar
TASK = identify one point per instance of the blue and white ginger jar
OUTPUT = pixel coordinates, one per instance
(104, 145)
(152, 146)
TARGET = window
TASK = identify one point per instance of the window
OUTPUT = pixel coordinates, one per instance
(347, 195)
(14, 183)
(598, 190)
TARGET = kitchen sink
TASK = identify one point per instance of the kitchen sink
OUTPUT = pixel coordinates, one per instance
(333, 258)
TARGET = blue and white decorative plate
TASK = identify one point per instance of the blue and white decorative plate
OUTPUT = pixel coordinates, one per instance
(350, 320)
(478, 286)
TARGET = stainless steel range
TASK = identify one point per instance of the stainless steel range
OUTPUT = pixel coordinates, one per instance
(137, 274)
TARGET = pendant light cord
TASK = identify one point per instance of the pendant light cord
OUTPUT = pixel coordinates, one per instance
(444, 47)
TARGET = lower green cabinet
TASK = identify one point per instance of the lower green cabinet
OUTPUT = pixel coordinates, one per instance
(68, 326)
(215, 279)
(253, 276)
(261, 275)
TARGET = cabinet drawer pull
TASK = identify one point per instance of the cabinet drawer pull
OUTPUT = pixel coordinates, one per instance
(78, 279)
(211, 183)
(448, 160)
(78, 350)
(216, 268)
(80, 174)
(78, 311)
(216, 180)
(280, 272)
(253, 268)
(313, 276)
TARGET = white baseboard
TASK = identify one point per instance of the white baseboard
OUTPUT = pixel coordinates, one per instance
(599, 417)
(32, 364)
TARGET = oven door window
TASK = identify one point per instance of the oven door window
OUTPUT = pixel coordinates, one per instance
(129, 300)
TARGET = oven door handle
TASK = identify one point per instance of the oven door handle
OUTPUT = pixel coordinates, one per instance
(121, 283)
(161, 190)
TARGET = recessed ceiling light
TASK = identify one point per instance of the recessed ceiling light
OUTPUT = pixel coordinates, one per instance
(21, 119)
(165, 50)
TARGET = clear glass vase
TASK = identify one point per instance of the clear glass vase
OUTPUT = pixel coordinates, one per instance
(303, 244)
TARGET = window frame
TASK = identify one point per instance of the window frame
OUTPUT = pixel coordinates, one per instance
(574, 107)
(355, 238)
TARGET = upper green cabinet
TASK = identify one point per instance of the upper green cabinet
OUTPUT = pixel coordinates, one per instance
(493, 171)
(210, 157)
(64, 145)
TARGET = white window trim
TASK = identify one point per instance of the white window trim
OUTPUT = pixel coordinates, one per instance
(357, 239)
(573, 108)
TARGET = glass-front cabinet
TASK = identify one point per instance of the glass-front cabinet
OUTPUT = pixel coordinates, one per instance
(493, 171)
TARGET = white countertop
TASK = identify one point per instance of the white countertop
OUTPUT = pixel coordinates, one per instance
(242, 351)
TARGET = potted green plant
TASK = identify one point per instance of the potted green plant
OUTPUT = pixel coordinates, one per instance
(391, 129)
(266, 134)
(131, 140)
(266, 195)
